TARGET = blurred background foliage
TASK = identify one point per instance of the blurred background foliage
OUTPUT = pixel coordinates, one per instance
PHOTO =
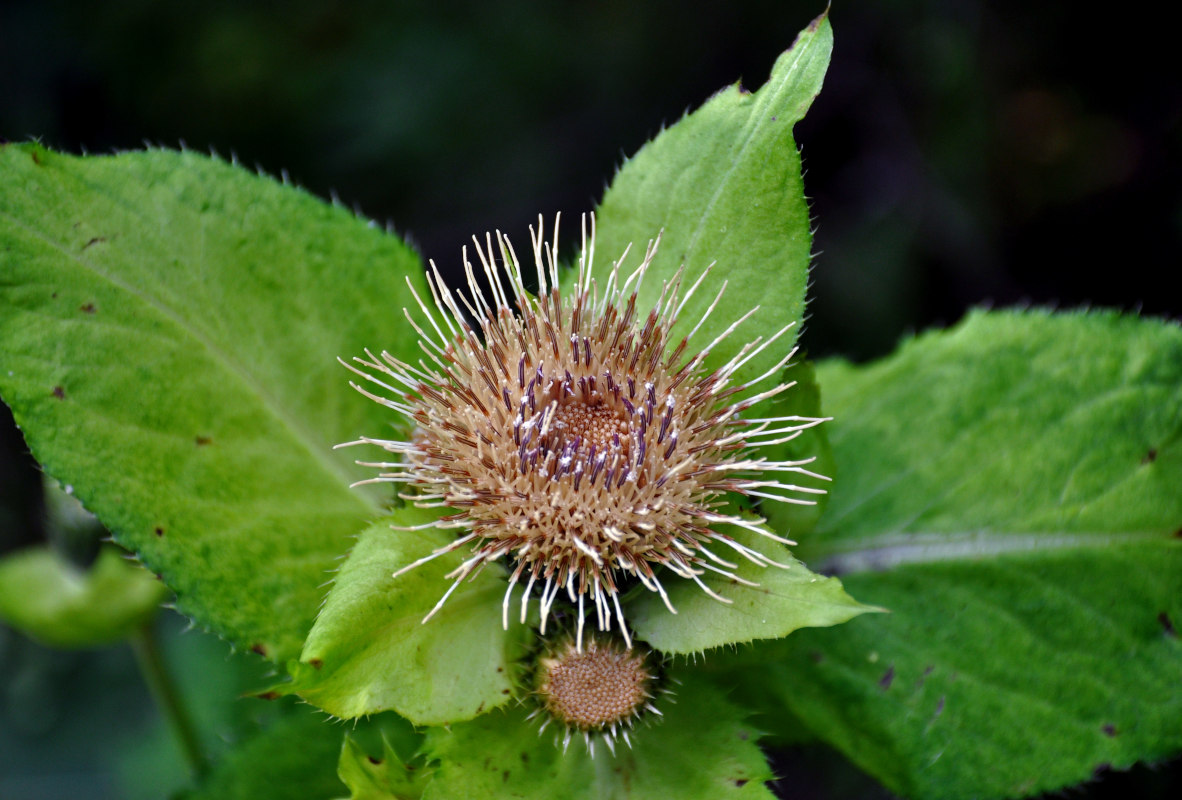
(961, 153)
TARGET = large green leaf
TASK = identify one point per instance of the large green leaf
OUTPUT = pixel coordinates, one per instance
(169, 328)
(781, 601)
(724, 183)
(371, 651)
(1010, 491)
(502, 755)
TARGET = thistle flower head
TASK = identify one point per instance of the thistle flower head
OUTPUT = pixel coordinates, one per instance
(573, 437)
(597, 690)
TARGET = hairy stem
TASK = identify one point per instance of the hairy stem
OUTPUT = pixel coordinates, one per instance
(167, 696)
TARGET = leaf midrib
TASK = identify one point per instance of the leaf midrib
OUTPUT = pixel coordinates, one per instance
(893, 550)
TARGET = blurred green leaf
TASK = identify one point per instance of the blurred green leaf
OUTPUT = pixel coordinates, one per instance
(502, 755)
(293, 758)
(724, 184)
(57, 603)
(370, 650)
(1009, 490)
(782, 601)
(169, 328)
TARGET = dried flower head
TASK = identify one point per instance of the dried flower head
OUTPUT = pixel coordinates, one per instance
(597, 690)
(572, 437)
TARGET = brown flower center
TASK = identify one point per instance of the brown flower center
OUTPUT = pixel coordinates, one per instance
(592, 421)
(596, 688)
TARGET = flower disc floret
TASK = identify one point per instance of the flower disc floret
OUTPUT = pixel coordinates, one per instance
(598, 690)
(572, 436)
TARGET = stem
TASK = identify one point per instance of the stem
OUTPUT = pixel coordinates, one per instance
(167, 696)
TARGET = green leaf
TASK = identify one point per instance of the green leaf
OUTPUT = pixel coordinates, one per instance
(386, 777)
(1009, 489)
(502, 755)
(784, 600)
(295, 757)
(59, 604)
(370, 650)
(169, 328)
(1015, 422)
(724, 184)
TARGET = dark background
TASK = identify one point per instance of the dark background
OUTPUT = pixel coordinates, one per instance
(961, 153)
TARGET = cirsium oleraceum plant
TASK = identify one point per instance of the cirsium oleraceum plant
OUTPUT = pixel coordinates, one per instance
(1000, 503)
(569, 434)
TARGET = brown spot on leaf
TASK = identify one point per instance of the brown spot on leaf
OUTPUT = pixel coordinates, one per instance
(201, 441)
(887, 678)
(524, 757)
(316, 663)
(817, 656)
(59, 393)
(1150, 456)
(86, 308)
(1109, 729)
(268, 695)
(373, 760)
(36, 158)
(504, 776)
(259, 648)
(159, 531)
(1166, 625)
(95, 240)
(740, 782)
